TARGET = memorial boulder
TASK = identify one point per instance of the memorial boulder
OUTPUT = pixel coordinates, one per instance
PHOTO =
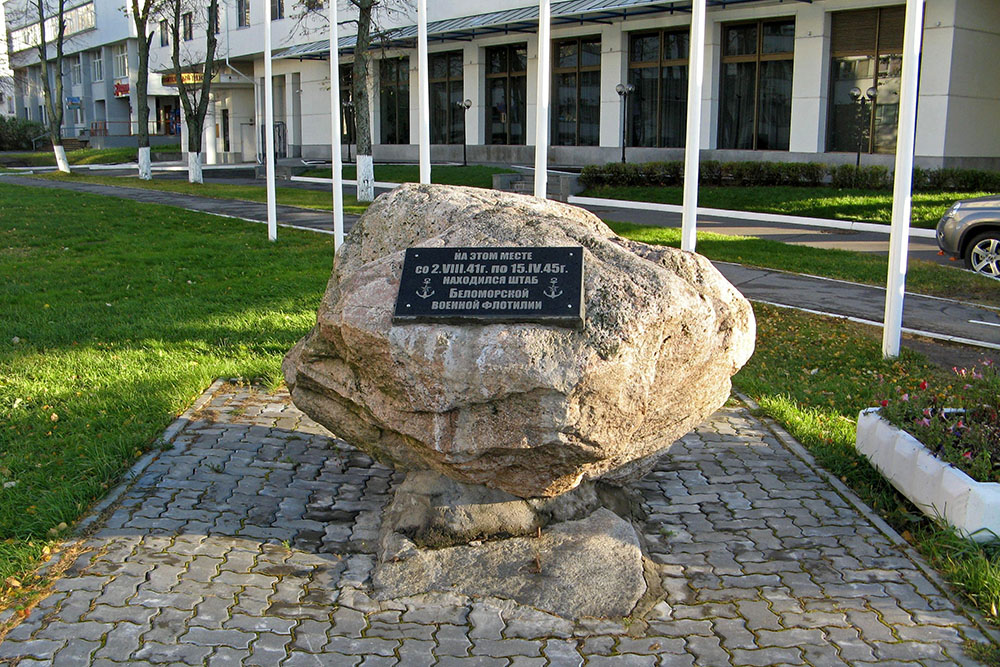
(531, 405)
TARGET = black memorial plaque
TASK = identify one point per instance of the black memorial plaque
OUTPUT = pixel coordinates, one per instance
(489, 285)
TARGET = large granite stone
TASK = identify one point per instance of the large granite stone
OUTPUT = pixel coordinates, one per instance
(527, 408)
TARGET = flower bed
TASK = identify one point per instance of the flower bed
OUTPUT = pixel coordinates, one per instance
(945, 460)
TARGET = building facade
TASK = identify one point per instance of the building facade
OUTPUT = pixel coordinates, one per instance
(779, 80)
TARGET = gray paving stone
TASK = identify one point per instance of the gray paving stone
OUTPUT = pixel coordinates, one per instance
(763, 563)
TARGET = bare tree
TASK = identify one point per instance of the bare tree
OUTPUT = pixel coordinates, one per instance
(368, 32)
(141, 11)
(53, 98)
(194, 94)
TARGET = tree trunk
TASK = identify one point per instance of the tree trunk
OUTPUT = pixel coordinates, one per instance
(54, 107)
(140, 16)
(362, 102)
(194, 100)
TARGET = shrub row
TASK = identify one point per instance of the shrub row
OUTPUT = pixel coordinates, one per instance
(811, 174)
(16, 134)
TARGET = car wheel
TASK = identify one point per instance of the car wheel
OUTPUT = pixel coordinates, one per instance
(983, 254)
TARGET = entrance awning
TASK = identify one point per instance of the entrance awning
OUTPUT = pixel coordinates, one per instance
(519, 20)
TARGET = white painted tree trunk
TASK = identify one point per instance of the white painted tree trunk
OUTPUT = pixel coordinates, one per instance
(61, 160)
(145, 164)
(194, 168)
(366, 178)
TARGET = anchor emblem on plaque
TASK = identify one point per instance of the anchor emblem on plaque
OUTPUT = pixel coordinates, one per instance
(425, 291)
(553, 291)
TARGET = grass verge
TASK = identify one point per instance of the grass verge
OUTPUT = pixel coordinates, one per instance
(116, 316)
(317, 199)
(922, 277)
(477, 176)
(820, 202)
(816, 391)
(82, 156)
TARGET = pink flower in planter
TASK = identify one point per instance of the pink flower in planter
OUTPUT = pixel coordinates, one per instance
(967, 456)
(904, 397)
(924, 422)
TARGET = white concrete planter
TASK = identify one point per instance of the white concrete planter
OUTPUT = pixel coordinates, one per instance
(939, 489)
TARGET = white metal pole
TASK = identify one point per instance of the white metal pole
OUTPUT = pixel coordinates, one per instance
(423, 103)
(542, 104)
(335, 147)
(692, 142)
(903, 179)
(272, 214)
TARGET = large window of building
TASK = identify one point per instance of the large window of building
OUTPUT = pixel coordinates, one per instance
(277, 9)
(755, 112)
(96, 66)
(119, 61)
(243, 13)
(76, 69)
(164, 33)
(866, 48)
(576, 88)
(447, 114)
(657, 113)
(394, 98)
(506, 89)
(187, 26)
(347, 127)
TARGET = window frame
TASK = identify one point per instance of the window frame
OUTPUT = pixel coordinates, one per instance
(119, 61)
(277, 9)
(243, 13)
(660, 64)
(164, 32)
(96, 66)
(76, 70)
(509, 75)
(187, 26)
(451, 110)
(399, 82)
(757, 58)
(578, 69)
(876, 53)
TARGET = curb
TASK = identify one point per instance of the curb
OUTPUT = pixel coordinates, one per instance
(101, 508)
(796, 448)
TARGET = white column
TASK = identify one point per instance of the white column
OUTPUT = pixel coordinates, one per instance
(613, 69)
(423, 93)
(692, 141)
(272, 214)
(473, 83)
(542, 103)
(208, 134)
(338, 186)
(905, 131)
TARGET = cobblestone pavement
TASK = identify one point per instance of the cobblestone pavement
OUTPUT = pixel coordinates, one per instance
(250, 542)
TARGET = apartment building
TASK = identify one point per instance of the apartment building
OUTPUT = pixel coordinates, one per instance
(779, 80)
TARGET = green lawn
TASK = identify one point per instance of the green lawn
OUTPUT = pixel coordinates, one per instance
(922, 277)
(820, 202)
(474, 175)
(123, 313)
(82, 156)
(317, 199)
(118, 314)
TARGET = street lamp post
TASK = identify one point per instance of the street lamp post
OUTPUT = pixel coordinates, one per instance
(864, 116)
(464, 106)
(624, 90)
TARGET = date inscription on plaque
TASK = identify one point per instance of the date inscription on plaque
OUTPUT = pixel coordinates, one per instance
(488, 285)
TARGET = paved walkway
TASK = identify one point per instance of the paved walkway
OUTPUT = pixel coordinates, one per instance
(941, 318)
(250, 542)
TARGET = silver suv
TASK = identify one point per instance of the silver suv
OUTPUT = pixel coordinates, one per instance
(971, 230)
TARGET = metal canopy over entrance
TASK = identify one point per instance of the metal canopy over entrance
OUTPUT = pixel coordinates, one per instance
(508, 21)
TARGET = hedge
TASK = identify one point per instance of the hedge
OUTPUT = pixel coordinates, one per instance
(16, 134)
(805, 174)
